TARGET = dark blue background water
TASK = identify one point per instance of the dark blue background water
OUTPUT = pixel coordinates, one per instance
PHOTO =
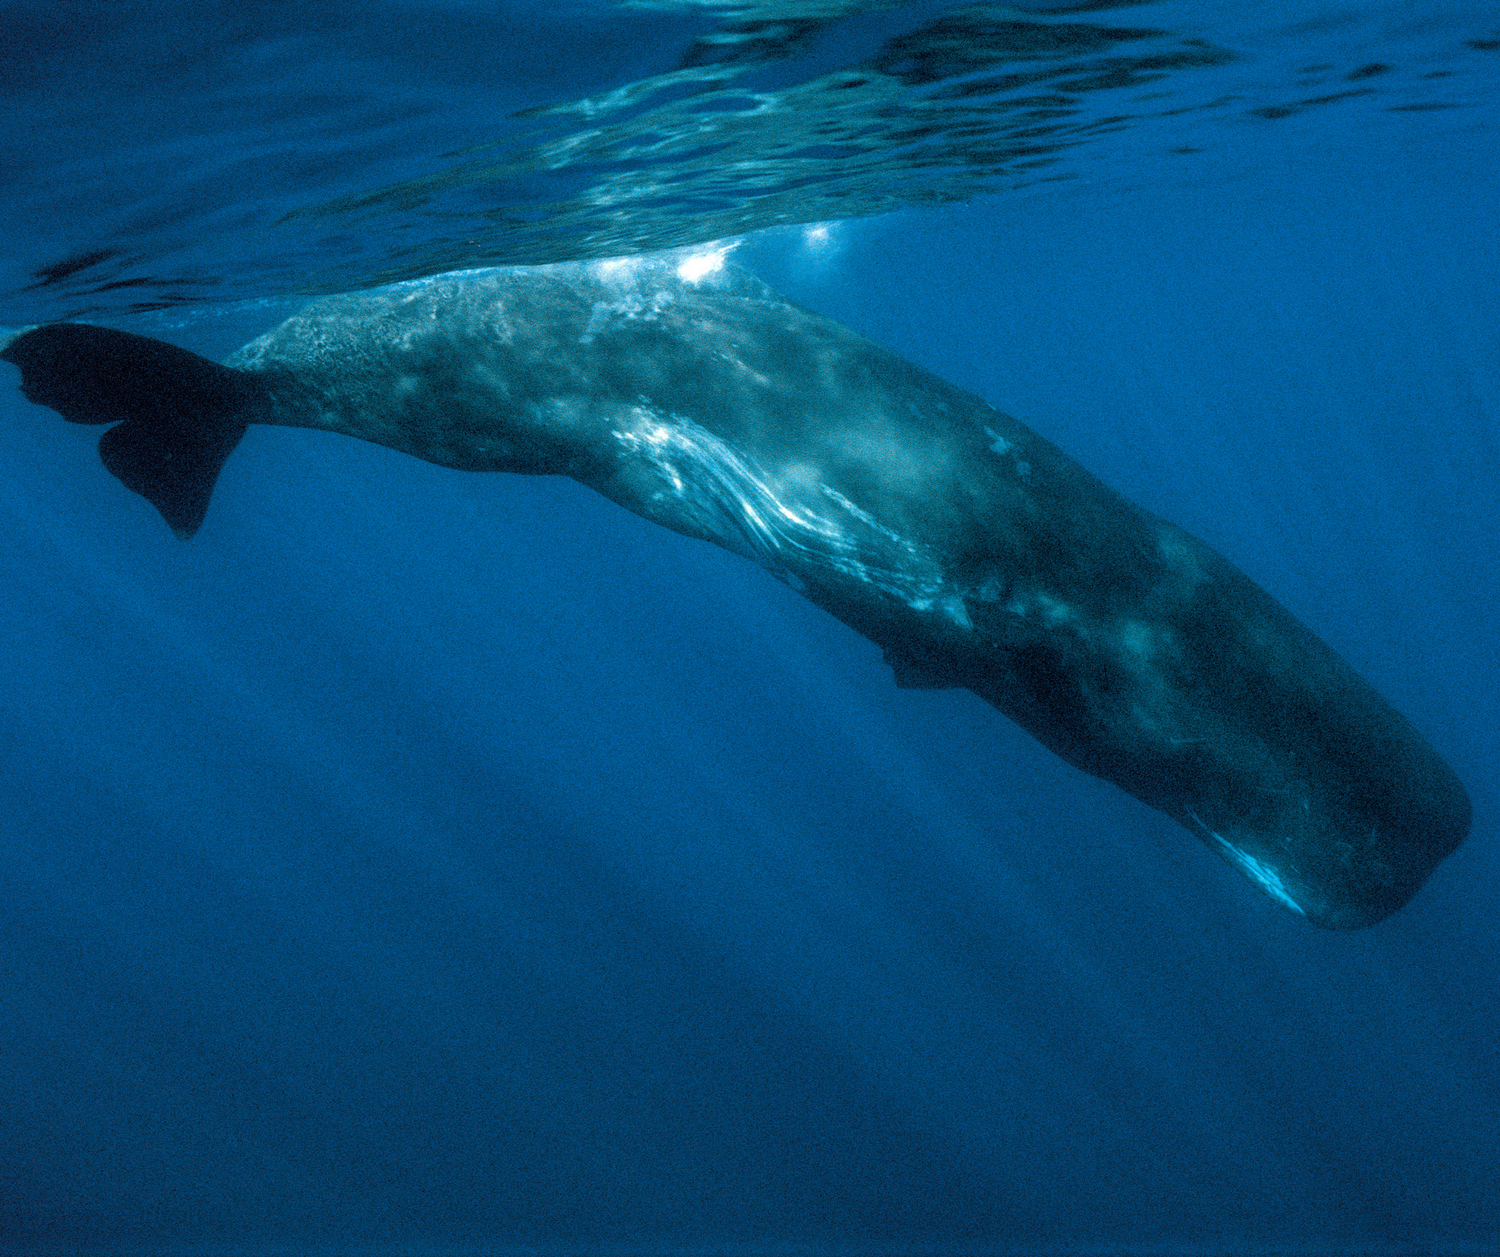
(423, 861)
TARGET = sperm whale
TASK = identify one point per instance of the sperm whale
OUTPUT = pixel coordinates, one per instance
(974, 552)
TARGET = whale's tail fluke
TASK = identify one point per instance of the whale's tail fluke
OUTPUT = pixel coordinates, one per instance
(178, 416)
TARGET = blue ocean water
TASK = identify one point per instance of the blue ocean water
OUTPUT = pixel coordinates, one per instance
(420, 862)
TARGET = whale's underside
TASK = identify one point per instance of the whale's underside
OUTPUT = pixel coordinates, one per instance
(975, 553)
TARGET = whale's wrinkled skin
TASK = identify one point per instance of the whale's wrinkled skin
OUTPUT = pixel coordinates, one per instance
(971, 550)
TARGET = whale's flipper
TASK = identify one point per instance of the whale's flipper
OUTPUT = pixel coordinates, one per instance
(179, 415)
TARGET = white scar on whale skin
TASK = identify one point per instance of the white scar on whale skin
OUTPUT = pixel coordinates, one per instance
(1261, 873)
(734, 501)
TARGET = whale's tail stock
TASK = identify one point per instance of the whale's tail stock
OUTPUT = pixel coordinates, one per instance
(178, 416)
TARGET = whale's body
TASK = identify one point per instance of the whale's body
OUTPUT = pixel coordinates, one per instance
(974, 552)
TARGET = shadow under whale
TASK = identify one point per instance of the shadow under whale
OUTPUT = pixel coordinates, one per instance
(973, 551)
